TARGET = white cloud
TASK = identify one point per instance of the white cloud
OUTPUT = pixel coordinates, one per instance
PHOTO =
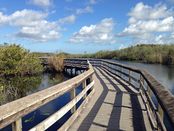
(32, 25)
(141, 26)
(99, 33)
(146, 12)
(42, 31)
(146, 22)
(41, 3)
(92, 1)
(172, 35)
(21, 18)
(87, 9)
(171, 1)
(67, 20)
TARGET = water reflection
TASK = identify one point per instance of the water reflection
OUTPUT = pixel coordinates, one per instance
(17, 87)
(163, 73)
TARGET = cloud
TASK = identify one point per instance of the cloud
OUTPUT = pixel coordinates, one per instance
(42, 31)
(149, 26)
(41, 3)
(147, 23)
(87, 9)
(99, 33)
(171, 1)
(146, 12)
(32, 25)
(67, 20)
(21, 18)
(92, 1)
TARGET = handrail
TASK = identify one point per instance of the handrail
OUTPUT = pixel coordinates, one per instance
(13, 112)
(164, 97)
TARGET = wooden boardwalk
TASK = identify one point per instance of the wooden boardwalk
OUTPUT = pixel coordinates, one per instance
(113, 97)
(114, 106)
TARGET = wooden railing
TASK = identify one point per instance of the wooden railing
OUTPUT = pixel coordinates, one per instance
(12, 113)
(150, 89)
(81, 63)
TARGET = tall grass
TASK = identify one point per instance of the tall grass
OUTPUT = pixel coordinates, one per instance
(56, 62)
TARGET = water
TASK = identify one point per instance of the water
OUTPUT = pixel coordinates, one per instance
(163, 73)
(17, 87)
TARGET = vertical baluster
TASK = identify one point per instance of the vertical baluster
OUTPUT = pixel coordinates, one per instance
(129, 76)
(149, 91)
(120, 72)
(84, 86)
(17, 125)
(140, 80)
(73, 95)
(91, 79)
(161, 112)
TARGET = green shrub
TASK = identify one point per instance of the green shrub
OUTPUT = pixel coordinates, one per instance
(15, 60)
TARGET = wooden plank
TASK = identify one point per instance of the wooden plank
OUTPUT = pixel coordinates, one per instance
(56, 116)
(70, 121)
(12, 111)
(73, 95)
(17, 125)
(84, 86)
(163, 95)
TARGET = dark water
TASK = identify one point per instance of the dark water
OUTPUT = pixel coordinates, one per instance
(163, 73)
(15, 88)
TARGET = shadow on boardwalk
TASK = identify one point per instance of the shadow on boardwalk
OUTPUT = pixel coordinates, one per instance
(117, 107)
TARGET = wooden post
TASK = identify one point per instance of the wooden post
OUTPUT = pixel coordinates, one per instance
(71, 71)
(120, 72)
(84, 86)
(73, 95)
(17, 125)
(149, 91)
(141, 79)
(91, 79)
(161, 112)
(129, 76)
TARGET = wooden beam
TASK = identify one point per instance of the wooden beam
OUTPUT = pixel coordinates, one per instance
(73, 95)
(56, 116)
(17, 125)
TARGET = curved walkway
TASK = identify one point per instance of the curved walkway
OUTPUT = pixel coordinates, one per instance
(114, 106)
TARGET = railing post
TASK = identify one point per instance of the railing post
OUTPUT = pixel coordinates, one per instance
(84, 86)
(17, 125)
(149, 91)
(141, 79)
(129, 76)
(91, 79)
(161, 112)
(73, 95)
(120, 72)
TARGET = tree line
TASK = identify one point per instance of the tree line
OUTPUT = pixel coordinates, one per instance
(161, 54)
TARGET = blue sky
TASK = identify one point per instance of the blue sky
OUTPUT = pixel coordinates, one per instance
(78, 26)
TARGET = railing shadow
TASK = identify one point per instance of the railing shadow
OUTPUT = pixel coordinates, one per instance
(114, 120)
(88, 121)
(137, 116)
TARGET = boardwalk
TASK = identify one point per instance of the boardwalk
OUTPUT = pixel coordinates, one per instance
(114, 97)
(115, 106)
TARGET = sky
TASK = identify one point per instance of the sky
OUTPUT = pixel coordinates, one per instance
(85, 26)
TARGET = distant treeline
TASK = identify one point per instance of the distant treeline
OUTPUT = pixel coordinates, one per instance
(162, 54)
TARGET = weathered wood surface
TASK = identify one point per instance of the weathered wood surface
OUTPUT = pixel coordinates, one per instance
(163, 95)
(13, 111)
(115, 106)
(60, 113)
